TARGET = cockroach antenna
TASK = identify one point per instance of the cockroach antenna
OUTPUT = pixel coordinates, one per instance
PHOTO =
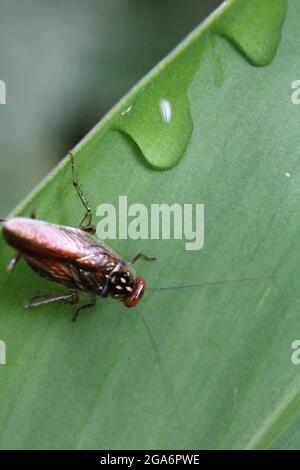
(163, 371)
(153, 341)
(213, 283)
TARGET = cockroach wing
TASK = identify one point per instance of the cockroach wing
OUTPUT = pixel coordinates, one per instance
(55, 271)
(36, 239)
(68, 275)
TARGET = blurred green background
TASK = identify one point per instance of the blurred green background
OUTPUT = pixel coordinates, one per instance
(65, 64)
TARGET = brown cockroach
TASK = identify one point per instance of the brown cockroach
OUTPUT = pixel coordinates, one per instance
(75, 258)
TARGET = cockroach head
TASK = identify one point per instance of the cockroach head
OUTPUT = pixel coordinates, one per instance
(137, 292)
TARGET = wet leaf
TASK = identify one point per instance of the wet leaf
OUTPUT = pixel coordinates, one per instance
(225, 346)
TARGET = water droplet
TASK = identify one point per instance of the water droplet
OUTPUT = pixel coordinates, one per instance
(254, 28)
(287, 174)
(158, 120)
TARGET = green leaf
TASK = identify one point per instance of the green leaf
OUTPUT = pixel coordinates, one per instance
(226, 346)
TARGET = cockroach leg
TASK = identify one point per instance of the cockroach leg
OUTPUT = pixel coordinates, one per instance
(142, 255)
(71, 297)
(89, 305)
(88, 228)
(87, 218)
(12, 262)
